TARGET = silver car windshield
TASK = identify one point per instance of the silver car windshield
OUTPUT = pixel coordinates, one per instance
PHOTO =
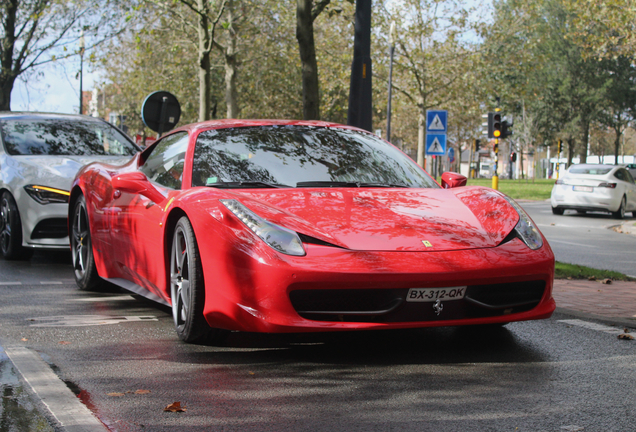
(63, 137)
(301, 156)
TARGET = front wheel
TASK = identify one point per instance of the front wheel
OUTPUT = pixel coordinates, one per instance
(84, 268)
(620, 213)
(11, 230)
(187, 290)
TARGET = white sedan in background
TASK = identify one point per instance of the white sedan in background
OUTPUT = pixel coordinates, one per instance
(39, 157)
(586, 187)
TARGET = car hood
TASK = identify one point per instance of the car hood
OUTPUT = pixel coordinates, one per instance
(390, 219)
(56, 171)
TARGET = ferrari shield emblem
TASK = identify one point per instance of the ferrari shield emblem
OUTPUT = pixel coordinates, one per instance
(427, 243)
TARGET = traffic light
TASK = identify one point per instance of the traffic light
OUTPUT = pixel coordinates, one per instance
(496, 125)
(477, 144)
(559, 147)
(506, 129)
(513, 157)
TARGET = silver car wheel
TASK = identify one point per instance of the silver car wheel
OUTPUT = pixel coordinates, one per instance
(5, 226)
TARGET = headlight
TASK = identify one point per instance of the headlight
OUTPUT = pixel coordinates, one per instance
(525, 228)
(279, 238)
(47, 195)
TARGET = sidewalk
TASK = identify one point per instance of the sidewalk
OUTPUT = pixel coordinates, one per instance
(614, 303)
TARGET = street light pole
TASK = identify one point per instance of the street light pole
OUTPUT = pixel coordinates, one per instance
(388, 106)
(82, 47)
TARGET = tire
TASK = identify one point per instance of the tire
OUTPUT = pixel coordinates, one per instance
(11, 230)
(620, 213)
(84, 269)
(187, 289)
(557, 211)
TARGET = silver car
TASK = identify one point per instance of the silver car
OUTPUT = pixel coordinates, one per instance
(587, 187)
(39, 157)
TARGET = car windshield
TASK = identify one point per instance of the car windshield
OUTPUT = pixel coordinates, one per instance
(301, 156)
(63, 137)
(590, 170)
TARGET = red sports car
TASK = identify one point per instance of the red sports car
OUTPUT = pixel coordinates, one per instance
(289, 226)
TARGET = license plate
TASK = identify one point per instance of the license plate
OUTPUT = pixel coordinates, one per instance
(583, 188)
(434, 294)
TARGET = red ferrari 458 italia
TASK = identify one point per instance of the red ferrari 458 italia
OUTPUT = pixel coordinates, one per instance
(290, 226)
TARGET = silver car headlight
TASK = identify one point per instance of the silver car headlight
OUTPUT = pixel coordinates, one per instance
(281, 239)
(525, 228)
(47, 195)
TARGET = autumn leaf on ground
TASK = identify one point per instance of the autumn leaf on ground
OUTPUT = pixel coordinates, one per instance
(625, 336)
(24, 339)
(64, 342)
(606, 281)
(592, 278)
(142, 391)
(115, 394)
(175, 407)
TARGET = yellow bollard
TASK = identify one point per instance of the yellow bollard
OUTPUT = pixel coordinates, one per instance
(495, 182)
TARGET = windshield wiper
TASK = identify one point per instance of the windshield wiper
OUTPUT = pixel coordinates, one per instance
(348, 184)
(246, 184)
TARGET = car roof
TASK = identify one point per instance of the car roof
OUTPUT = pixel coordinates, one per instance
(233, 123)
(44, 115)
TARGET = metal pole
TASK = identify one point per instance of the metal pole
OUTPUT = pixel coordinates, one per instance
(391, 53)
(82, 47)
(360, 113)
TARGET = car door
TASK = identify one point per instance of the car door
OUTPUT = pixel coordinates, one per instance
(137, 226)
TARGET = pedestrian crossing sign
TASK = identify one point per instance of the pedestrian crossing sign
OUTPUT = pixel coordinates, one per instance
(436, 144)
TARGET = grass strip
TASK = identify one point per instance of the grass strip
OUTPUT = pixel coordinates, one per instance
(574, 271)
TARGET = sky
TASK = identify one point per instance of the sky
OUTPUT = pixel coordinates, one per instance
(54, 88)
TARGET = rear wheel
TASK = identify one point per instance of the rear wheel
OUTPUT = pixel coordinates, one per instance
(84, 268)
(187, 290)
(557, 211)
(620, 213)
(11, 230)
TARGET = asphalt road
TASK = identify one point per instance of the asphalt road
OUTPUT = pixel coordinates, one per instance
(534, 376)
(121, 356)
(586, 239)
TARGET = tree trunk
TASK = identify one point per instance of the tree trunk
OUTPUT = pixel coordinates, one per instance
(571, 143)
(7, 45)
(421, 136)
(585, 140)
(204, 61)
(309, 66)
(617, 144)
(231, 94)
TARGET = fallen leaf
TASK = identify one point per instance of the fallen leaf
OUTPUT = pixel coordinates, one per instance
(64, 342)
(569, 278)
(606, 281)
(115, 394)
(24, 339)
(592, 278)
(175, 407)
(625, 336)
(625, 330)
(142, 391)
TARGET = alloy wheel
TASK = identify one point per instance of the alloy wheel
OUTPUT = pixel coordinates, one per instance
(5, 226)
(80, 240)
(180, 289)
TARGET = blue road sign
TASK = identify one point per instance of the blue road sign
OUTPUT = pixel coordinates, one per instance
(436, 144)
(436, 121)
(451, 154)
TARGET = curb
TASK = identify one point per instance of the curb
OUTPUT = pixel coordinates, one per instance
(617, 321)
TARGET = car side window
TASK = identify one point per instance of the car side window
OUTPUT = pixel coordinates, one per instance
(620, 174)
(166, 162)
(629, 178)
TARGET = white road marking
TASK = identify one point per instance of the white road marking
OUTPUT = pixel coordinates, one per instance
(86, 320)
(111, 298)
(65, 407)
(10, 283)
(50, 283)
(573, 244)
(593, 326)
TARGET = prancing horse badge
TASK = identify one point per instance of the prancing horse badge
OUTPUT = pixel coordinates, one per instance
(427, 243)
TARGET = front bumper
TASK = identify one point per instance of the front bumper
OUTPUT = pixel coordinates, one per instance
(330, 289)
